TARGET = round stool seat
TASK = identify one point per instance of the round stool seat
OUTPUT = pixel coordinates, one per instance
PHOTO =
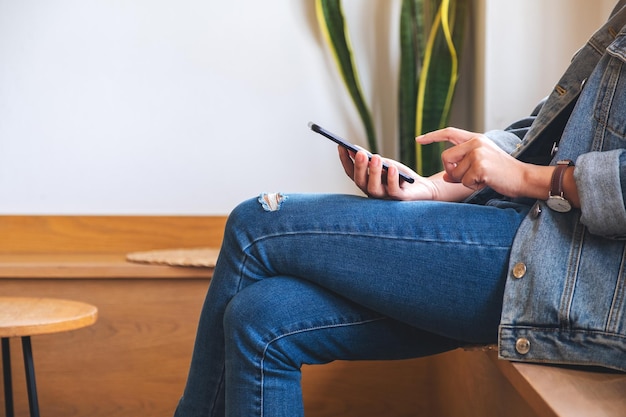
(23, 316)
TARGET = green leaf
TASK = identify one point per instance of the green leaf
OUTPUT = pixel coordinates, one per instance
(438, 80)
(431, 37)
(332, 23)
(411, 43)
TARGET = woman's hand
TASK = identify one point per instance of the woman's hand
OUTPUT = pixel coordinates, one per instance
(370, 177)
(476, 162)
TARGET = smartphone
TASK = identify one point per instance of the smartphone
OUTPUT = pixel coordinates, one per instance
(340, 141)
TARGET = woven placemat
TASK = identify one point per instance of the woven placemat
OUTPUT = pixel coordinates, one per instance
(198, 257)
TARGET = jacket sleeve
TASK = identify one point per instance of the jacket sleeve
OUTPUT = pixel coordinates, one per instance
(506, 140)
(509, 138)
(598, 175)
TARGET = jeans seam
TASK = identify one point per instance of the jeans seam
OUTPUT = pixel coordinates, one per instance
(369, 235)
(217, 391)
(308, 329)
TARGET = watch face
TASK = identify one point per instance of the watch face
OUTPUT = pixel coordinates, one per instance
(559, 204)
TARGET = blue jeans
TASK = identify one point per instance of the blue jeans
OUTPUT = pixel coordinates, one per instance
(328, 277)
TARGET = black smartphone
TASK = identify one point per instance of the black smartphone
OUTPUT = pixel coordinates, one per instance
(340, 141)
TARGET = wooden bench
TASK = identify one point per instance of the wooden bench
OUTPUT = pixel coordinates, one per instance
(554, 391)
(141, 345)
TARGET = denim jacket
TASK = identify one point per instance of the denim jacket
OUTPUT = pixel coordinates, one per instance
(565, 295)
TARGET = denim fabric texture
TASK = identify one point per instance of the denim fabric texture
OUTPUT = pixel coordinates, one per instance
(569, 305)
(328, 277)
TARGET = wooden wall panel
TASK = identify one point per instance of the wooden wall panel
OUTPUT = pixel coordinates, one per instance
(107, 234)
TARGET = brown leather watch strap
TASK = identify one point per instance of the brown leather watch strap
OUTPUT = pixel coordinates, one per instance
(556, 184)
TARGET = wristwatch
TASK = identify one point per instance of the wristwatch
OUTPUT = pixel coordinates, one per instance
(556, 201)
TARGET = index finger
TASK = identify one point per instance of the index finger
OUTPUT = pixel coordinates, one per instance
(449, 134)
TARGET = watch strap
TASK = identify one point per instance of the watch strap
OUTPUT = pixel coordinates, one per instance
(556, 184)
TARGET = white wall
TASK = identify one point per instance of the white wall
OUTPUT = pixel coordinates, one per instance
(528, 45)
(162, 106)
(189, 106)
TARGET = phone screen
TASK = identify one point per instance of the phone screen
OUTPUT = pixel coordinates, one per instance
(340, 141)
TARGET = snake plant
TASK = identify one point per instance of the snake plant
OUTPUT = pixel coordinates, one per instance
(431, 37)
(332, 23)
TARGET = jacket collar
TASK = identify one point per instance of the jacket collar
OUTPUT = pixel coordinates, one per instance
(559, 104)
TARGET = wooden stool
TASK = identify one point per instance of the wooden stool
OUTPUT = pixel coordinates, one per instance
(25, 317)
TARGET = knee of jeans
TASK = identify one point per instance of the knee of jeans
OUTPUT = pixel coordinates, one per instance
(252, 328)
(243, 317)
(241, 215)
(258, 317)
(255, 333)
(242, 211)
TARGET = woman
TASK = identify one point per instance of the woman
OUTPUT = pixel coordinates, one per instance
(536, 263)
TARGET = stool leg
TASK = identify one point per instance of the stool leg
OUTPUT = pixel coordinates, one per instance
(6, 370)
(29, 366)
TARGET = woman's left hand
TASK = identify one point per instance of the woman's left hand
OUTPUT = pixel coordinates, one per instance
(370, 177)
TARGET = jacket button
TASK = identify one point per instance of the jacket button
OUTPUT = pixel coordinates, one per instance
(522, 346)
(555, 149)
(535, 211)
(519, 270)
